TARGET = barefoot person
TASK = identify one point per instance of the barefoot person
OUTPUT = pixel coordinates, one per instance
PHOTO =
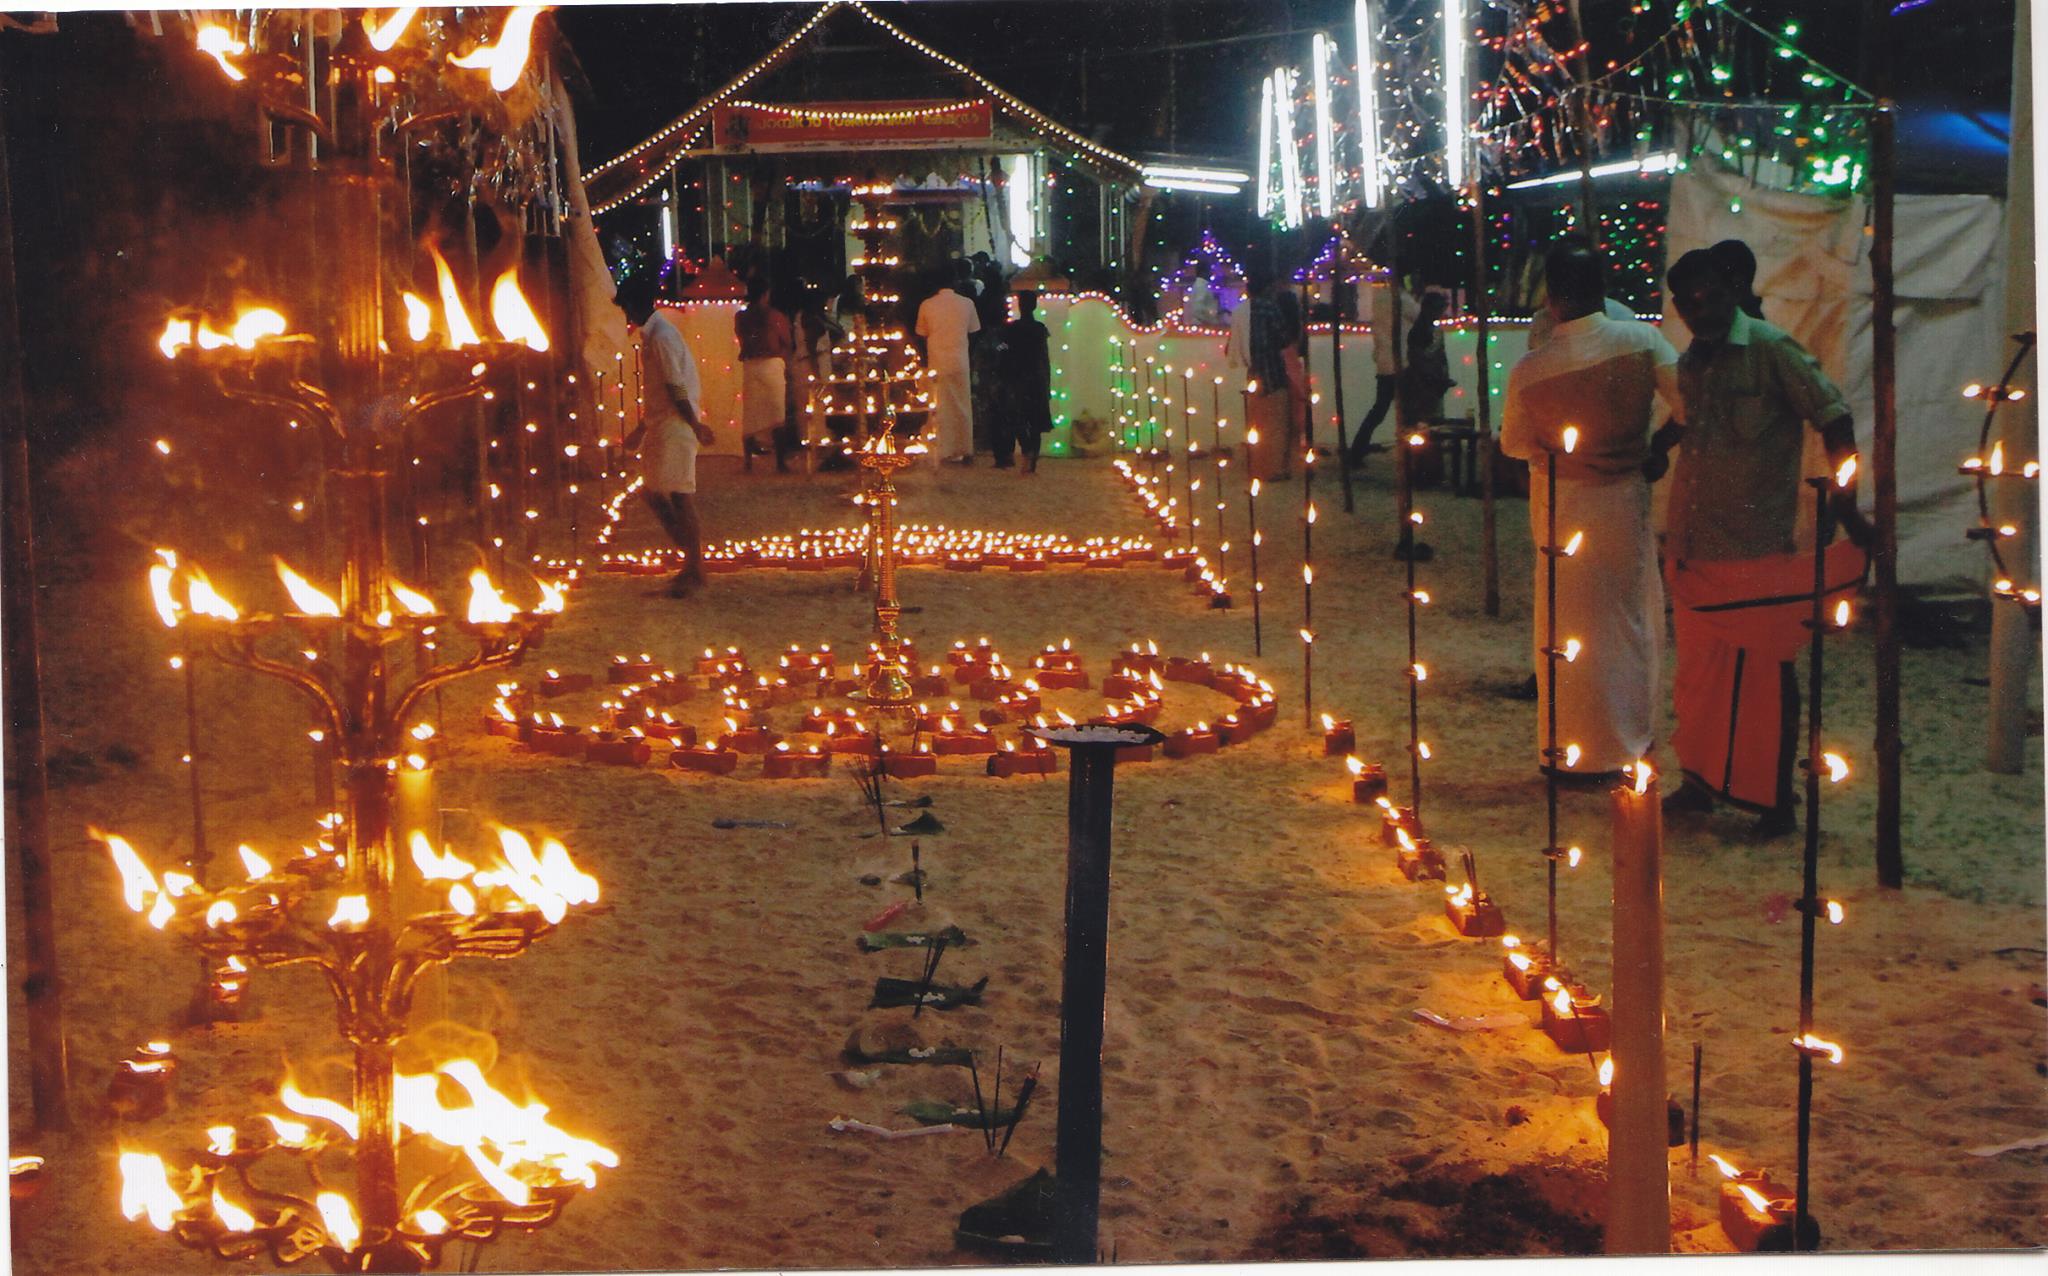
(1602, 377)
(1741, 585)
(670, 431)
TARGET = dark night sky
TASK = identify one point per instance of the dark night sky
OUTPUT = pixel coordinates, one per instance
(1103, 67)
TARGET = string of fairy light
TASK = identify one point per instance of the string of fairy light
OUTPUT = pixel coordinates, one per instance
(1426, 81)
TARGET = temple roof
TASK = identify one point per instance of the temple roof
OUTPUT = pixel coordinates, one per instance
(626, 176)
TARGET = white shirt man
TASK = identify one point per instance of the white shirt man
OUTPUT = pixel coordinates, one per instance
(1602, 376)
(668, 453)
(946, 320)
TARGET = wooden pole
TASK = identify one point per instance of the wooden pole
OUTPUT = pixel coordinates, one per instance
(1891, 870)
(1337, 373)
(2012, 639)
(28, 790)
(1638, 1168)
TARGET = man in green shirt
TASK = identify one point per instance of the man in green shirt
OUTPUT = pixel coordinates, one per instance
(1750, 393)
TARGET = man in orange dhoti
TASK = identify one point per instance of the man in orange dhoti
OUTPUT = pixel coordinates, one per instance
(1740, 581)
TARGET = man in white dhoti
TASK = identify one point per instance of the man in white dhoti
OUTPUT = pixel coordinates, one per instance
(1603, 377)
(766, 344)
(946, 320)
(671, 429)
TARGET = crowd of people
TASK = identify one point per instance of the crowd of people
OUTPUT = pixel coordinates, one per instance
(1587, 397)
(991, 381)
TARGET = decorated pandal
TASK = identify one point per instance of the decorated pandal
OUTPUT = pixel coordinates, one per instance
(642, 708)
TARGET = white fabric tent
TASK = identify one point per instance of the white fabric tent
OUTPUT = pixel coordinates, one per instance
(1813, 272)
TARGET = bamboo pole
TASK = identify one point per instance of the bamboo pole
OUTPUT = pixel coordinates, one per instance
(28, 810)
(2012, 640)
(1891, 870)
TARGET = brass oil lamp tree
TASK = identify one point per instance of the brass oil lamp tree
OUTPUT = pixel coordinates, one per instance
(440, 1154)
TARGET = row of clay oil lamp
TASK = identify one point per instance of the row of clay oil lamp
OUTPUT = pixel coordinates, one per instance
(917, 545)
(1209, 584)
(631, 724)
(1755, 1211)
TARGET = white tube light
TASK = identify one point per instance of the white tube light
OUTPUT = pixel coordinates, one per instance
(1661, 162)
(1290, 152)
(668, 229)
(1023, 186)
(1326, 172)
(1185, 184)
(1454, 93)
(1235, 176)
(1266, 146)
(1368, 104)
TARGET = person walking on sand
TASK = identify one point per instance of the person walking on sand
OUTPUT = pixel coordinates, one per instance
(1386, 363)
(670, 430)
(766, 345)
(945, 322)
(1741, 585)
(1023, 385)
(1601, 377)
(1274, 343)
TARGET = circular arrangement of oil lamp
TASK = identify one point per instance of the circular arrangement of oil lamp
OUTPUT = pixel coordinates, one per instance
(910, 739)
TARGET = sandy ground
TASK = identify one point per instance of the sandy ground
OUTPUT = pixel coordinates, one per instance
(1269, 1091)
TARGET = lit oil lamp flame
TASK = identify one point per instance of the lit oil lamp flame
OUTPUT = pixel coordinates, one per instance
(252, 326)
(429, 1223)
(1571, 439)
(340, 1219)
(290, 1134)
(1997, 465)
(220, 1139)
(1757, 1200)
(1351, 764)
(160, 576)
(1721, 1163)
(137, 882)
(350, 910)
(552, 598)
(419, 319)
(1842, 614)
(1562, 1002)
(1645, 774)
(1572, 648)
(461, 900)
(486, 604)
(146, 1189)
(1838, 767)
(307, 1105)
(1845, 473)
(437, 865)
(1422, 749)
(202, 598)
(386, 34)
(507, 58)
(1834, 912)
(232, 1216)
(514, 318)
(1572, 856)
(220, 913)
(1607, 1072)
(1572, 753)
(1571, 547)
(1811, 1044)
(218, 43)
(309, 600)
(177, 335)
(461, 332)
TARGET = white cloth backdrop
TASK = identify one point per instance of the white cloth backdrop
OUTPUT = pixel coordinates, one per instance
(1813, 272)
